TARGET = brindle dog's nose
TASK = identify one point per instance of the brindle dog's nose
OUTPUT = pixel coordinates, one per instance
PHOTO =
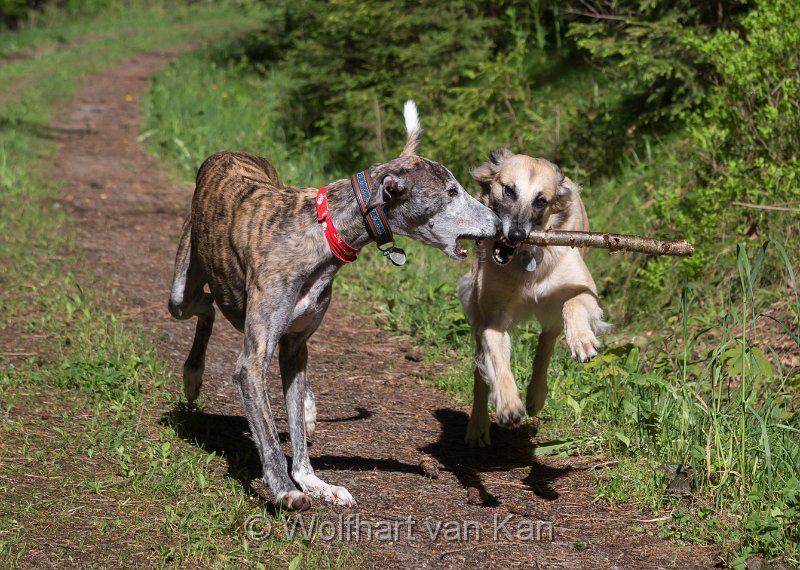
(516, 235)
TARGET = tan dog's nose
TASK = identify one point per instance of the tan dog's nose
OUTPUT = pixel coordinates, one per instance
(516, 235)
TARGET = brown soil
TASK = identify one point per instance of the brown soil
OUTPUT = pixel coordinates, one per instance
(378, 420)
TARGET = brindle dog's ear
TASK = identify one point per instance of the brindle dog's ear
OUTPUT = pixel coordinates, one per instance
(486, 172)
(389, 188)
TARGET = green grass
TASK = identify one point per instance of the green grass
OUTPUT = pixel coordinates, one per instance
(53, 28)
(93, 473)
(694, 385)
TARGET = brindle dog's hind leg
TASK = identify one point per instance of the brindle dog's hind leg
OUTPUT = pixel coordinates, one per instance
(310, 408)
(266, 319)
(293, 358)
(187, 300)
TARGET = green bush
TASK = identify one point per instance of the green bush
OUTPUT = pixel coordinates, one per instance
(745, 132)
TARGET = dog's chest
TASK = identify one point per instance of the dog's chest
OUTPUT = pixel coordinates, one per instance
(523, 290)
(312, 302)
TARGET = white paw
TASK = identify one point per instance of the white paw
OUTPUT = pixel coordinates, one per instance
(294, 501)
(319, 489)
(583, 344)
(333, 494)
(478, 432)
(508, 409)
(192, 381)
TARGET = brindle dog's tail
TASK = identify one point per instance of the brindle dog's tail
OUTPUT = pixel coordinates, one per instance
(188, 299)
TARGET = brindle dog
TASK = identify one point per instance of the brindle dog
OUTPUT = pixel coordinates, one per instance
(258, 245)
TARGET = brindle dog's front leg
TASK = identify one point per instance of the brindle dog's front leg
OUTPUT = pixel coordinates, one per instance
(293, 358)
(264, 324)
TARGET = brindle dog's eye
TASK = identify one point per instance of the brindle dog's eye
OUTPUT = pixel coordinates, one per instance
(453, 192)
(509, 191)
(540, 202)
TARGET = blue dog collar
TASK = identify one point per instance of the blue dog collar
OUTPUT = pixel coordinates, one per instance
(375, 218)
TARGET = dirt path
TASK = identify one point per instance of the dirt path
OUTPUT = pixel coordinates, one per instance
(377, 422)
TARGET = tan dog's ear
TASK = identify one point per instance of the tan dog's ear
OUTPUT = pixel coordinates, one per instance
(567, 189)
(486, 172)
(413, 129)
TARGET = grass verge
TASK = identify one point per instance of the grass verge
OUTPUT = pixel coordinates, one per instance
(94, 473)
(696, 414)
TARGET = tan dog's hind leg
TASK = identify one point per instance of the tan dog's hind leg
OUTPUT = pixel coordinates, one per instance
(187, 299)
(479, 422)
(537, 388)
(494, 362)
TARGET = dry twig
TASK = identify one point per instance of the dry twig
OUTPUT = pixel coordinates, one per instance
(612, 242)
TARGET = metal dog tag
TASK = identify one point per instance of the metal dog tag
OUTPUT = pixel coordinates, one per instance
(530, 259)
(396, 255)
(528, 263)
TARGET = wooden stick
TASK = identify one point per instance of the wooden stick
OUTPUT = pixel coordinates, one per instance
(612, 242)
(765, 207)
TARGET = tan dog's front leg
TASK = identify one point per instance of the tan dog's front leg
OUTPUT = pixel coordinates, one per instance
(494, 362)
(583, 321)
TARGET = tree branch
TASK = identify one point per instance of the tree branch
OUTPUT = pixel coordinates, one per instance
(765, 207)
(612, 242)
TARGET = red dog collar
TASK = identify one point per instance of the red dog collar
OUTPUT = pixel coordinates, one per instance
(343, 251)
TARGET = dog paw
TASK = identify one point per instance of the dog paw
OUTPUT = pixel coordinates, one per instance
(319, 489)
(333, 494)
(583, 345)
(478, 432)
(509, 412)
(294, 501)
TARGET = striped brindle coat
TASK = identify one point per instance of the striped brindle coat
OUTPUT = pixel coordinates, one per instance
(257, 244)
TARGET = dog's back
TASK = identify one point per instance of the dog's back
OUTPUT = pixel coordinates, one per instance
(240, 206)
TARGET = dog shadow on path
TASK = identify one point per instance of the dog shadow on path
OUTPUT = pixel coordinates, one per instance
(225, 435)
(228, 436)
(510, 449)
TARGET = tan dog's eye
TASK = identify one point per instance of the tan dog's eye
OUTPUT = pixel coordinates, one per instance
(510, 191)
(540, 202)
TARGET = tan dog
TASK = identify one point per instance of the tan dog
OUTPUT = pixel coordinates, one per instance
(269, 252)
(511, 283)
